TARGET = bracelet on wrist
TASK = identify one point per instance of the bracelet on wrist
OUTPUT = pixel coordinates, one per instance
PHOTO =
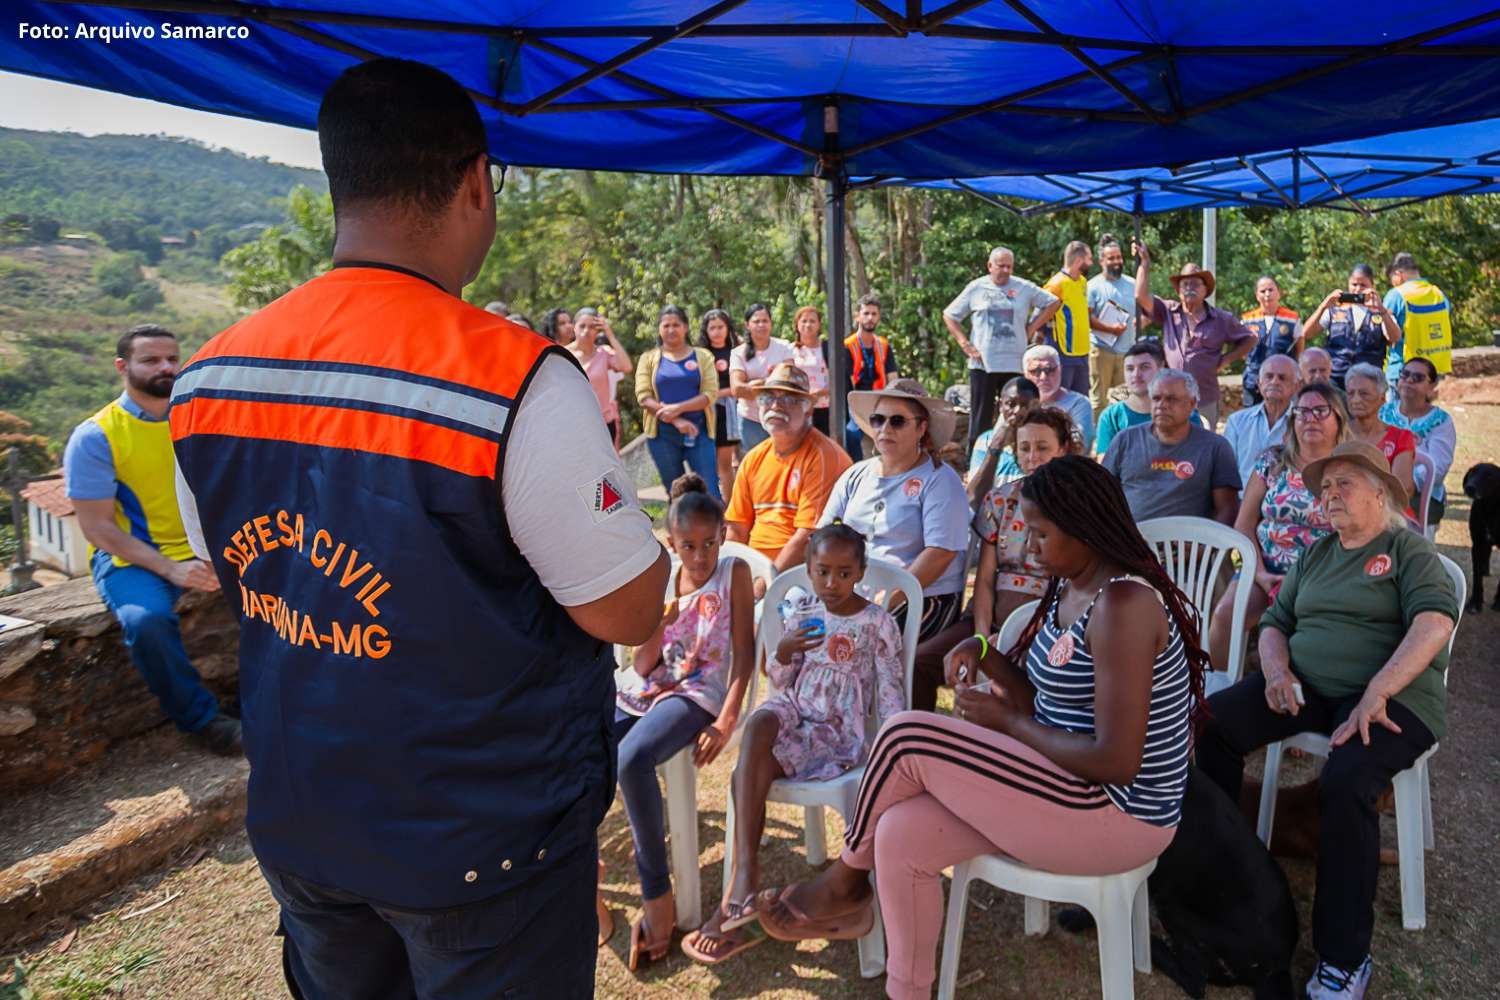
(984, 644)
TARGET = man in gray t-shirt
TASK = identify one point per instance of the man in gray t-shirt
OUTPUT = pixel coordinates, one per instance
(999, 308)
(1111, 298)
(1172, 467)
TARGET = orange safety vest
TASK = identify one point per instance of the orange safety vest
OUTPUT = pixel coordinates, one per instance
(857, 360)
(405, 678)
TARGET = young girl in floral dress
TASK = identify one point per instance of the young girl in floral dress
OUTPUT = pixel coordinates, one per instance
(839, 656)
(686, 688)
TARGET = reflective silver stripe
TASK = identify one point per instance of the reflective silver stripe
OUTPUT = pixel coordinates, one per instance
(775, 506)
(480, 413)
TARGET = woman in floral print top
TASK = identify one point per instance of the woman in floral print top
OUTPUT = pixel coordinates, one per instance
(1279, 513)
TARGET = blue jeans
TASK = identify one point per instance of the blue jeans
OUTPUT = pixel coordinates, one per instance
(533, 941)
(145, 605)
(670, 450)
(644, 742)
(752, 433)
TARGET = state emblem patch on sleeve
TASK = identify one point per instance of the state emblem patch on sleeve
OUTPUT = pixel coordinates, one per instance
(605, 495)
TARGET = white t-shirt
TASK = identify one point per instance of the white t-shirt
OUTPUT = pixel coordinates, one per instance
(758, 367)
(558, 447)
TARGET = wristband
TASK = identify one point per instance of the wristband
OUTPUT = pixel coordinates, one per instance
(984, 644)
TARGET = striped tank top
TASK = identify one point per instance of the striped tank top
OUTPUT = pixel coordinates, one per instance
(1062, 671)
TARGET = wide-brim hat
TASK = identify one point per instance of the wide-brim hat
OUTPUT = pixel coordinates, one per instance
(785, 377)
(941, 420)
(1194, 271)
(1364, 455)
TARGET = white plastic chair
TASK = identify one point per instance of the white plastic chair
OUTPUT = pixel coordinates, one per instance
(1193, 551)
(1119, 904)
(841, 792)
(1412, 786)
(1425, 472)
(680, 776)
(1015, 624)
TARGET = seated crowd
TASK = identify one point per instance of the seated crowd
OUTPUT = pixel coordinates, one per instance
(1102, 692)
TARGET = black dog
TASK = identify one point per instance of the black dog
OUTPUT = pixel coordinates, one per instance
(1223, 901)
(1482, 486)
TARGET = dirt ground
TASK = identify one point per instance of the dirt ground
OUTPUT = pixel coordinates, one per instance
(203, 930)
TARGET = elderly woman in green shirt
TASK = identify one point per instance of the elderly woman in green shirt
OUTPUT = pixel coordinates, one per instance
(1354, 646)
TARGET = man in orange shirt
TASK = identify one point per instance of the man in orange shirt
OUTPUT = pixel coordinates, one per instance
(784, 482)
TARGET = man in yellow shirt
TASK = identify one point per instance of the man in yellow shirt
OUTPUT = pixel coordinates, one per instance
(1070, 329)
(784, 482)
(121, 477)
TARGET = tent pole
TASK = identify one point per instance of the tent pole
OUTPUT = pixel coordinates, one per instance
(1210, 241)
(835, 186)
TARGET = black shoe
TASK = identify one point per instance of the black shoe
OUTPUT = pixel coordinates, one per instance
(221, 736)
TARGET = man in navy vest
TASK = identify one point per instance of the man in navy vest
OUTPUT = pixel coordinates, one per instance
(431, 543)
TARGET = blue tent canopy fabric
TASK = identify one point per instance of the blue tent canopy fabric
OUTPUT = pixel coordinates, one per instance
(1394, 170)
(921, 89)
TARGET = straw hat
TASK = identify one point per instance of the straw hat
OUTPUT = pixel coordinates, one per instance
(1364, 455)
(941, 419)
(785, 377)
(1194, 271)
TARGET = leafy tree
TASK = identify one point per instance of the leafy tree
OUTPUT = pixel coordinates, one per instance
(284, 256)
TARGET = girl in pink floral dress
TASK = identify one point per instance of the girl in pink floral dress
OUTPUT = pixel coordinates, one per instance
(839, 658)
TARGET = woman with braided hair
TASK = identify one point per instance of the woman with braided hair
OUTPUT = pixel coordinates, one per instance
(1073, 759)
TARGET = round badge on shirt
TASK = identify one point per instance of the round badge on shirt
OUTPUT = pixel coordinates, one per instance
(708, 605)
(690, 365)
(1183, 470)
(1378, 566)
(795, 479)
(721, 365)
(840, 648)
(1062, 650)
(912, 487)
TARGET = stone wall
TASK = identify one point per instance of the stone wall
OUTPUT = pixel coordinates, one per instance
(68, 690)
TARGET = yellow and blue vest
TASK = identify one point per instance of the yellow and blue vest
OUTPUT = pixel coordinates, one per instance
(1427, 330)
(145, 481)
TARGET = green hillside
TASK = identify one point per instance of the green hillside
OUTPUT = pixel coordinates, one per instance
(175, 185)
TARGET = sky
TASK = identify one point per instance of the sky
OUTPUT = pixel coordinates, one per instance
(47, 106)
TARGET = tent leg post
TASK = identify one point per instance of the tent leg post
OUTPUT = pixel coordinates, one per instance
(1210, 241)
(836, 186)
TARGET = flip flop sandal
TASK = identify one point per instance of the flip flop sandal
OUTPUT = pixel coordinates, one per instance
(640, 948)
(848, 926)
(607, 931)
(737, 915)
(691, 947)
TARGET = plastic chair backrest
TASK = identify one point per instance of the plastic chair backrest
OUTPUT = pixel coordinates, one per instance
(760, 566)
(1461, 594)
(1423, 464)
(1193, 551)
(879, 576)
(1015, 624)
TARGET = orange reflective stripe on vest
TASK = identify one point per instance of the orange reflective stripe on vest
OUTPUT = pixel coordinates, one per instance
(444, 399)
(857, 360)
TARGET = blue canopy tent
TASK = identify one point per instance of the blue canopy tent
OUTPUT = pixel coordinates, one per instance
(1398, 169)
(829, 88)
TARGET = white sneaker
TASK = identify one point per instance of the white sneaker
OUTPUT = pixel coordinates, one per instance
(1329, 982)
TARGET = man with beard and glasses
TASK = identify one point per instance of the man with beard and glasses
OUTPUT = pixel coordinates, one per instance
(1112, 302)
(785, 481)
(120, 475)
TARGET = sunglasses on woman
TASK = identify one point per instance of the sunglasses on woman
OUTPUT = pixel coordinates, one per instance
(896, 420)
(1412, 376)
(1312, 412)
